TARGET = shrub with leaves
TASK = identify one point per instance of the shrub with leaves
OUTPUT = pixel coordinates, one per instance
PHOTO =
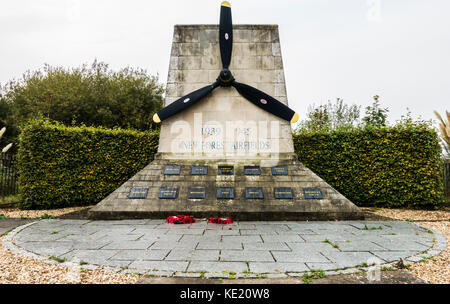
(386, 166)
(376, 116)
(91, 95)
(62, 166)
(331, 116)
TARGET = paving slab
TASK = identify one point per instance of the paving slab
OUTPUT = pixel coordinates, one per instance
(299, 256)
(193, 255)
(321, 266)
(277, 267)
(349, 259)
(250, 248)
(200, 238)
(138, 244)
(246, 255)
(160, 265)
(313, 246)
(242, 238)
(390, 256)
(360, 245)
(282, 238)
(266, 246)
(48, 249)
(230, 245)
(129, 254)
(218, 267)
(174, 245)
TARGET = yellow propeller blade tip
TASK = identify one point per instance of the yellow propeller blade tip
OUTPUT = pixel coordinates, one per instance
(294, 118)
(156, 118)
(226, 3)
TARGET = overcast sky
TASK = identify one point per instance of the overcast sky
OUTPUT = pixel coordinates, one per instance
(352, 49)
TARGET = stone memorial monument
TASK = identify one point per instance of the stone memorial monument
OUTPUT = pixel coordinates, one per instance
(226, 147)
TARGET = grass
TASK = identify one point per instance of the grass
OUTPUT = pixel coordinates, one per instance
(372, 228)
(314, 274)
(45, 216)
(11, 200)
(362, 265)
(261, 276)
(331, 243)
(427, 258)
(3, 217)
(306, 280)
(5, 233)
(57, 259)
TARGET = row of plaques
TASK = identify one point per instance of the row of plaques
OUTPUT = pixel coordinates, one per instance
(224, 170)
(225, 193)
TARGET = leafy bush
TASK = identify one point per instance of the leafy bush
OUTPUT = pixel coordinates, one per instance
(91, 95)
(63, 166)
(388, 166)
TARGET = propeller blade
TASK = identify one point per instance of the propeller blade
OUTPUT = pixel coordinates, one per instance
(183, 103)
(266, 102)
(225, 34)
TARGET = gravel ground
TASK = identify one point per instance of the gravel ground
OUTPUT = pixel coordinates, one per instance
(17, 213)
(26, 270)
(437, 269)
(21, 269)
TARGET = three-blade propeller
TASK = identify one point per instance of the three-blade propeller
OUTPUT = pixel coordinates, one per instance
(226, 79)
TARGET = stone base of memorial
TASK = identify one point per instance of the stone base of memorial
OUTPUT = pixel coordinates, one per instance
(284, 190)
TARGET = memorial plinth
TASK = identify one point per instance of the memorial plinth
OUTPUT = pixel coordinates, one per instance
(224, 156)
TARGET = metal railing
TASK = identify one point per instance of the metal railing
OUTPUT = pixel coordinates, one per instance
(8, 175)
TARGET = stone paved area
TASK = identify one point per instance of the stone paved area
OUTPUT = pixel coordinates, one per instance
(275, 249)
(9, 224)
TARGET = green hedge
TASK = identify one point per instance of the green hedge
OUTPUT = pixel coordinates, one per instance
(391, 167)
(68, 166)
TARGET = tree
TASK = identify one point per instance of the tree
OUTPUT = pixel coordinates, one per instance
(92, 95)
(331, 116)
(375, 115)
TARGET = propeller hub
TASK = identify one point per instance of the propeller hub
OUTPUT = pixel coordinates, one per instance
(225, 78)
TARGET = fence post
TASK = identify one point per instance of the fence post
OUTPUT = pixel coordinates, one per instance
(8, 175)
